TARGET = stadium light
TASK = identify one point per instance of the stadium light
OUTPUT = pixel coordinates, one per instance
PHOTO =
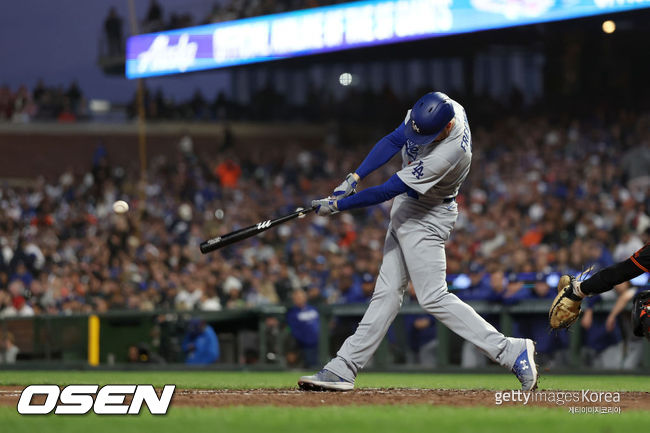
(345, 79)
(609, 26)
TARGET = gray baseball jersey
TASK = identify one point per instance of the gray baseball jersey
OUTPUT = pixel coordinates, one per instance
(415, 249)
(436, 170)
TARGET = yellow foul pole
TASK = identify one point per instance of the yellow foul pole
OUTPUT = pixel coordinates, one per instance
(93, 340)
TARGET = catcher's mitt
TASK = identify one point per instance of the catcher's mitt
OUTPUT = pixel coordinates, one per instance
(565, 308)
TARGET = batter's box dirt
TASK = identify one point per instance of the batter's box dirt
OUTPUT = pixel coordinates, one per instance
(292, 397)
(370, 396)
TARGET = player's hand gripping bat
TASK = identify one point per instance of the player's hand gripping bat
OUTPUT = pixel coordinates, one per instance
(247, 232)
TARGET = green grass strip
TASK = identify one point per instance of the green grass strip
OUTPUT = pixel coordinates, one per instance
(244, 380)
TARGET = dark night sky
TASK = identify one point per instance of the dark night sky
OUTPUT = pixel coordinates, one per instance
(57, 40)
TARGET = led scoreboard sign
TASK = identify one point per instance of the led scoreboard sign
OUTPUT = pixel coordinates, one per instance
(341, 27)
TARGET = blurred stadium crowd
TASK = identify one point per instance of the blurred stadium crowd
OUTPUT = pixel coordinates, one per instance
(42, 103)
(364, 106)
(542, 196)
(68, 105)
(156, 20)
(359, 105)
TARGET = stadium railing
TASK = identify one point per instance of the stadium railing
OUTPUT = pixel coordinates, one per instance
(64, 341)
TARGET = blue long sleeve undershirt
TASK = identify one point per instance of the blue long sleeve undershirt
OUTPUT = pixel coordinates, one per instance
(374, 195)
(383, 151)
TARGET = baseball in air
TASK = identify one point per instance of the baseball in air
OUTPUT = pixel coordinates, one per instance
(302, 215)
(120, 207)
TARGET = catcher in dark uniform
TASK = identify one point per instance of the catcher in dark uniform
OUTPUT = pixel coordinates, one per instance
(566, 306)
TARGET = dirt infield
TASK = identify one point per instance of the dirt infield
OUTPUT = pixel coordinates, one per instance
(292, 397)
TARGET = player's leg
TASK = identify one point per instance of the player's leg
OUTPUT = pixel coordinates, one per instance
(424, 253)
(386, 301)
(611, 358)
(427, 269)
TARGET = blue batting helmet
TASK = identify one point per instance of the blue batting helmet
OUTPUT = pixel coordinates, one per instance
(429, 116)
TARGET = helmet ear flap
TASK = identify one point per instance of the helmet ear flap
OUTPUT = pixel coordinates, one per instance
(641, 314)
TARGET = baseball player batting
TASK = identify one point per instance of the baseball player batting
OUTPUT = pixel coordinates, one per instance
(565, 309)
(436, 147)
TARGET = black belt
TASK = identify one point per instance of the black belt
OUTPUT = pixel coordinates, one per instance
(448, 199)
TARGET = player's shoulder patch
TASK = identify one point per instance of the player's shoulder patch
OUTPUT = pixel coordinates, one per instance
(408, 116)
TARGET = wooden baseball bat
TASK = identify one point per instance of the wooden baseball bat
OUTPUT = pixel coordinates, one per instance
(247, 232)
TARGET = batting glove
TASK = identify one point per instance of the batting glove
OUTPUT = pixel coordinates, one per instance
(347, 187)
(325, 206)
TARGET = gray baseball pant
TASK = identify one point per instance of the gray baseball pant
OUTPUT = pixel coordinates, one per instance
(415, 248)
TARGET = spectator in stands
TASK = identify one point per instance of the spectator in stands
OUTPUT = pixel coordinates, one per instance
(21, 274)
(44, 103)
(154, 20)
(178, 21)
(113, 30)
(8, 350)
(210, 301)
(14, 301)
(188, 298)
(488, 288)
(5, 303)
(142, 354)
(23, 106)
(634, 345)
(630, 243)
(74, 96)
(228, 172)
(261, 292)
(367, 287)
(304, 323)
(39, 90)
(66, 115)
(200, 344)
(635, 164)
(550, 346)
(14, 306)
(499, 289)
(421, 336)
(6, 106)
(603, 347)
(232, 287)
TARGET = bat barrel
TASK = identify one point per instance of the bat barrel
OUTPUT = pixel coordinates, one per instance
(210, 245)
(241, 234)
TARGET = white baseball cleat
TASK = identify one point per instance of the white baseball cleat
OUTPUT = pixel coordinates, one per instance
(525, 369)
(324, 380)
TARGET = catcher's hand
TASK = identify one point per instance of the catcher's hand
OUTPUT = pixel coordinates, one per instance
(565, 308)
